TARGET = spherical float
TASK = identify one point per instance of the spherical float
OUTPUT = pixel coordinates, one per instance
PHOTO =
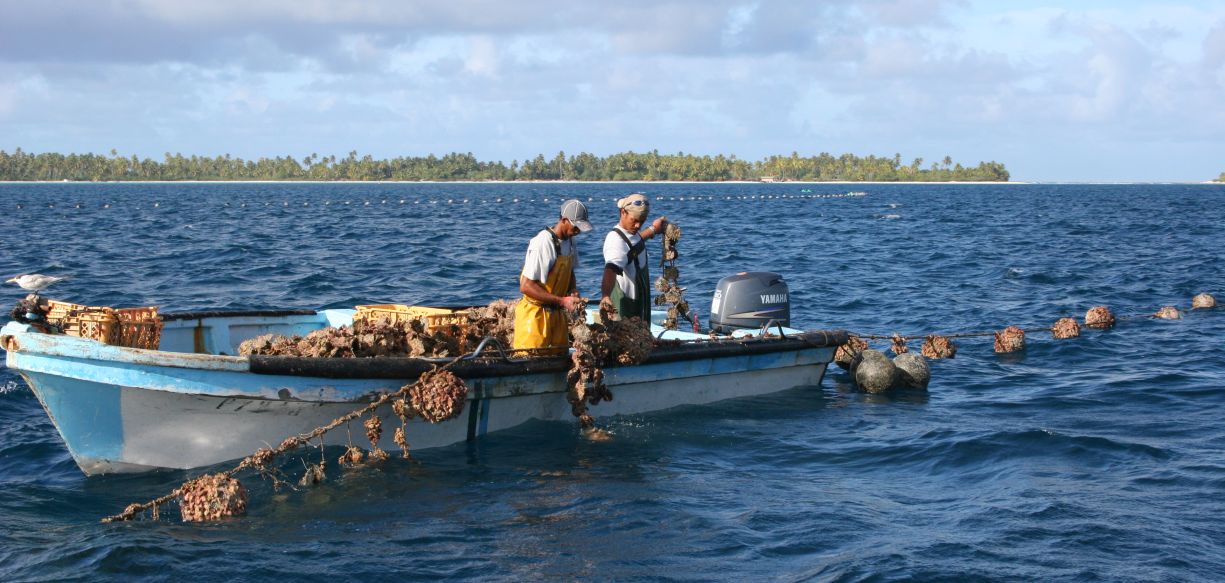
(913, 372)
(874, 372)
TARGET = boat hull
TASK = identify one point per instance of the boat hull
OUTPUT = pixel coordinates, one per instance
(122, 410)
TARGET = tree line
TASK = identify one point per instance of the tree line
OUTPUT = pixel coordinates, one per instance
(651, 165)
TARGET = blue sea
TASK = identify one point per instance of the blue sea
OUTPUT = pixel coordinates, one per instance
(1100, 458)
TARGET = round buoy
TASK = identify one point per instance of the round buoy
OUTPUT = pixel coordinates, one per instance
(913, 371)
(874, 372)
(1010, 339)
(1065, 328)
(1203, 301)
(1099, 317)
(935, 346)
(1168, 313)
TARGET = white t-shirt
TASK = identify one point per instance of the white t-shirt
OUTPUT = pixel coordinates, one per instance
(616, 252)
(541, 255)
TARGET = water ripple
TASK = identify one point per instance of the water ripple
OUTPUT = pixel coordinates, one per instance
(1097, 458)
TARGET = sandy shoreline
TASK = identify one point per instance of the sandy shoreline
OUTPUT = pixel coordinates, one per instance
(603, 182)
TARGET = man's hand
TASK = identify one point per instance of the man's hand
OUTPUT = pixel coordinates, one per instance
(571, 303)
(606, 306)
(657, 226)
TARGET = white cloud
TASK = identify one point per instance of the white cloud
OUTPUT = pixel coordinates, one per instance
(507, 80)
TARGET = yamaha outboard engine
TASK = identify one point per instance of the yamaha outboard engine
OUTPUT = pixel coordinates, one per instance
(749, 300)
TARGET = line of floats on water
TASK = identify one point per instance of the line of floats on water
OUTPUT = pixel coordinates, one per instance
(505, 200)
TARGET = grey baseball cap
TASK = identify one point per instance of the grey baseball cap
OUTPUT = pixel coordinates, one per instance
(576, 211)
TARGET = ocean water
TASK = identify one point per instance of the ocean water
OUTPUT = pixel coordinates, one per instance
(1100, 458)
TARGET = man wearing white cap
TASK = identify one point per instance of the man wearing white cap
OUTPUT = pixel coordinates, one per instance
(626, 286)
(548, 284)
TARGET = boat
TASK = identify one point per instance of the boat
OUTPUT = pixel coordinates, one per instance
(192, 402)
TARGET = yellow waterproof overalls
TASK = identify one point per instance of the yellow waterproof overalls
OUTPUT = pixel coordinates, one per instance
(541, 326)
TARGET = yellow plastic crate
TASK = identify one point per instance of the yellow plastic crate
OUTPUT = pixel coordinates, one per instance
(139, 328)
(97, 323)
(131, 327)
(435, 318)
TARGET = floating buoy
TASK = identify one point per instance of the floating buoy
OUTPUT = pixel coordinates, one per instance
(938, 347)
(1203, 301)
(913, 371)
(1099, 317)
(846, 353)
(874, 372)
(1065, 328)
(212, 497)
(1010, 339)
(899, 345)
(1168, 313)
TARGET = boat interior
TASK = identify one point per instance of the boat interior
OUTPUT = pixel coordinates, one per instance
(221, 332)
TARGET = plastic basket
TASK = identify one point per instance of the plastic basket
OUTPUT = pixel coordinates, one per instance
(139, 328)
(435, 318)
(131, 327)
(57, 310)
(99, 324)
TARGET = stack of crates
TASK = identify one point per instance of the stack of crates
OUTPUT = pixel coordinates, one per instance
(130, 327)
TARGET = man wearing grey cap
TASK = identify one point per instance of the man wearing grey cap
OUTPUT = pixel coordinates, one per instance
(548, 284)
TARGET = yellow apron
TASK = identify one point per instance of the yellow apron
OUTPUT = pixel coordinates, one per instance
(541, 326)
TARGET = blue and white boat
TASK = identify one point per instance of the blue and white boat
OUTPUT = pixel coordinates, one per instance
(191, 404)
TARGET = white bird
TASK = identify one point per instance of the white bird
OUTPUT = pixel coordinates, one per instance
(35, 282)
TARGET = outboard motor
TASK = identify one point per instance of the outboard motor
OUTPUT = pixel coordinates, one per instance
(749, 300)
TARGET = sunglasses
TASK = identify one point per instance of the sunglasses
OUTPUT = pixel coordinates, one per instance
(637, 203)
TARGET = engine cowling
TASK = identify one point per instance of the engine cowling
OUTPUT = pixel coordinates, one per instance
(750, 300)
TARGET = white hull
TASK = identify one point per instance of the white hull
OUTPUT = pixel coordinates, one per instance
(127, 410)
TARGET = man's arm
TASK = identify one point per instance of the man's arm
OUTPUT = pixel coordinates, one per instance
(535, 290)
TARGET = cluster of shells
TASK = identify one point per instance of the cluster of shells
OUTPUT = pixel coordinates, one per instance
(847, 353)
(1010, 339)
(623, 342)
(936, 346)
(382, 337)
(212, 497)
(496, 319)
(1065, 328)
(1099, 317)
(671, 293)
(1203, 302)
(1168, 313)
(437, 396)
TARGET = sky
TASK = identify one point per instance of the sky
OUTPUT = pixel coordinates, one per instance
(1125, 90)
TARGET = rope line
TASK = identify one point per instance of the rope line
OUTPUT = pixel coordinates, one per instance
(263, 456)
(980, 334)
